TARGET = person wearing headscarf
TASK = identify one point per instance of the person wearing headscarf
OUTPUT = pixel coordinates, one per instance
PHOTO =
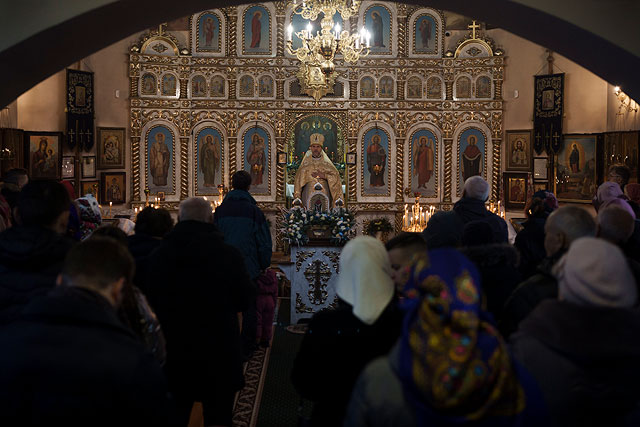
(582, 347)
(90, 216)
(451, 366)
(340, 342)
(530, 241)
(607, 191)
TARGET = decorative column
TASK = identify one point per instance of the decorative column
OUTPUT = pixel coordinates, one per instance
(280, 147)
(352, 144)
(496, 129)
(447, 177)
(401, 128)
(135, 125)
(184, 167)
(402, 30)
(280, 10)
(136, 128)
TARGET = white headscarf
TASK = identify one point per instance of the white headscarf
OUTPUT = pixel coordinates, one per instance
(365, 278)
(595, 272)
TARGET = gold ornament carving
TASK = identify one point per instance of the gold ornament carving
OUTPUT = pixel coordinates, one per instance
(300, 306)
(301, 257)
(318, 274)
(334, 258)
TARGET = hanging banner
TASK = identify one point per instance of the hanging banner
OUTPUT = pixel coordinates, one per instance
(80, 110)
(547, 113)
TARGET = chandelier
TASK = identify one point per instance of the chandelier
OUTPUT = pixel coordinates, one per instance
(317, 52)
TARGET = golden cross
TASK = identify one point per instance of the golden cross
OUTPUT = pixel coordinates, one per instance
(160, 29)
(473, 27)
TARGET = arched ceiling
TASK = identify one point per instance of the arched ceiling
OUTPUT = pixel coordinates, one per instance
(41, 37)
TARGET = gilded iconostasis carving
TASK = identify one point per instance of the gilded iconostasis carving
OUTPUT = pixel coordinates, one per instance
(408, 118)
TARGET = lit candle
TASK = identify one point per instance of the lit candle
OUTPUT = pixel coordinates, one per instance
(368, 39)
(110, 205)
(309, 27)
(290, 30)
(337, 28)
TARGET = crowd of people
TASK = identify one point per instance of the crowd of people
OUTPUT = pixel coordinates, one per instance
(125, 324)
(458, 326)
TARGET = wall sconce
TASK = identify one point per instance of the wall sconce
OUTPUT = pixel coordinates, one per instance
(625, 101)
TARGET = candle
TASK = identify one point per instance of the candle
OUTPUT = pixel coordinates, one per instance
(289, 31)
(110, 205)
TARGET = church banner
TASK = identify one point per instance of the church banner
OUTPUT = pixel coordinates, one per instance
(80, 110)
(548, 110)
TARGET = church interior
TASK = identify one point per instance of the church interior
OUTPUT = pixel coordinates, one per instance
(153, 105)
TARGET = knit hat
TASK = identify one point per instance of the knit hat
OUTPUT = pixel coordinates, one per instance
(365, 278)
(476, 187)
(607, 191)
(595, 272)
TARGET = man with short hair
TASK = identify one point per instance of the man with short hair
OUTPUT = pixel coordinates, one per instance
(244, 227)
(198, 284)
(401, 249)
(31, 253)
(563, 226)
(471, 208)
(70, 361)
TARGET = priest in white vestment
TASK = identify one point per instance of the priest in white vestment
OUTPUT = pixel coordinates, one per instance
(316, 168)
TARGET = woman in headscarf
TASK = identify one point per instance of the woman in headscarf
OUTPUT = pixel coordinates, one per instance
(451, 366)
(582, 347)
(530, 241)
(340, 342)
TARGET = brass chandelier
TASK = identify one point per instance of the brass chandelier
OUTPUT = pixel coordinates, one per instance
(317, 53)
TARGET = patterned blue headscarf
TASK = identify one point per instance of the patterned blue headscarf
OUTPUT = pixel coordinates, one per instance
(454, 365)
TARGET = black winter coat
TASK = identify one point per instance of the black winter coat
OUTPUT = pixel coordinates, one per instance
(197, 284)
(528, 295)
(67, 360)
(30, 260)
(585, 360)
(334, 351)
(497, 265)
(141, 247)
(474, 210)
(530, 244)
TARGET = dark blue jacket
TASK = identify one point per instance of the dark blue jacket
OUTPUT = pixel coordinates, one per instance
(245, 227)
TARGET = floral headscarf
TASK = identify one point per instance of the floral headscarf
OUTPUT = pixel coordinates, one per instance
(454, 365)
(90, 215)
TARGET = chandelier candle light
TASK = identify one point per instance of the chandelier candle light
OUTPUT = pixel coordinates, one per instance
(416, 220)
(317, 52)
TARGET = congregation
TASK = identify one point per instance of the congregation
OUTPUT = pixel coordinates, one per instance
(457, 325)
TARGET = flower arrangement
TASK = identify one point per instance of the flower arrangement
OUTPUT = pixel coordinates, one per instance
(377, 225)
(298, 221)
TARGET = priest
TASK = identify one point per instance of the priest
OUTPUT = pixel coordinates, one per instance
(317, 173)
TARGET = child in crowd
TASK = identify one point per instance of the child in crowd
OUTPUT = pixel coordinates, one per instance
(266, 306)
